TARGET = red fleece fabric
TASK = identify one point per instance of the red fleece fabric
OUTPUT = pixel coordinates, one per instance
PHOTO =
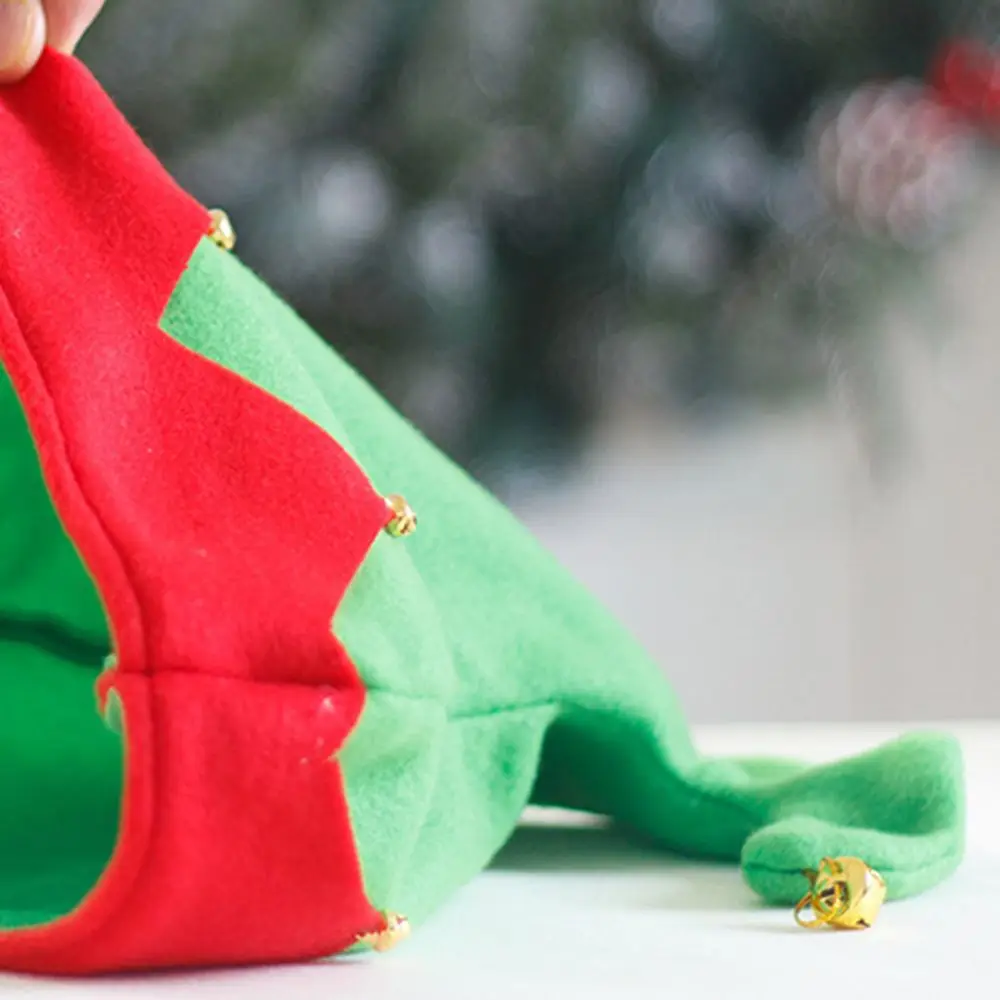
(222, 529)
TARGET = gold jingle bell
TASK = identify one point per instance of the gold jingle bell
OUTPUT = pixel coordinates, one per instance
(397, 929)
(403, 521)
(844, 893)
(221, 232)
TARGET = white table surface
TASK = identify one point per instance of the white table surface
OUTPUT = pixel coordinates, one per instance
(575, 912)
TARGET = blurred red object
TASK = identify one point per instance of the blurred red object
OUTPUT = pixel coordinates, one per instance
(967, 77)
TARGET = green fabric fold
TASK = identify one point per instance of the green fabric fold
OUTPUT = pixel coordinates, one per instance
(495, 680)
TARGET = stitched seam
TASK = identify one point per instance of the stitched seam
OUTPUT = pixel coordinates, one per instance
(61, 454)
(68, 926)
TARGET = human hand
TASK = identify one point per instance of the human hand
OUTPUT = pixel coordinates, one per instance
(26, 26)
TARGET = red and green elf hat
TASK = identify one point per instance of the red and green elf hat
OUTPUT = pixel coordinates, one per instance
(194, 489)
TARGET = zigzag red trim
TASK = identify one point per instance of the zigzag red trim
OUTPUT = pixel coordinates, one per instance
(222, 529)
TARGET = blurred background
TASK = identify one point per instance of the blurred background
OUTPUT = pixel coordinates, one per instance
(704, 289)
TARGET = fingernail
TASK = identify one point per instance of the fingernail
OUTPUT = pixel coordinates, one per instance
(22, 37)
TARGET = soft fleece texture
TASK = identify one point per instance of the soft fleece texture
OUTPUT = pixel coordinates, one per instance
(494, 679)
(34, 551)
(222, 527)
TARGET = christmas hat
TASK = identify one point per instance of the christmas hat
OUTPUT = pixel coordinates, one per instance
(311, 715)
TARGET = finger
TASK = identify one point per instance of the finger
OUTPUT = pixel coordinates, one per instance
(22, 36)
(68, 20)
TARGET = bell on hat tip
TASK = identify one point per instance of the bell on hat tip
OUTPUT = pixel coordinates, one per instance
(221, 231)
(844, 893)
(396, 930)
(403, 520)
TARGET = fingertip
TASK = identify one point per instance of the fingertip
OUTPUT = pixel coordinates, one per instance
(22, 37)
(68, 20)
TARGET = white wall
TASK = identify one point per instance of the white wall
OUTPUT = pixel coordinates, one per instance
(774, 579)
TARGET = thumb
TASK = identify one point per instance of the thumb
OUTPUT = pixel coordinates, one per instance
(22, 37)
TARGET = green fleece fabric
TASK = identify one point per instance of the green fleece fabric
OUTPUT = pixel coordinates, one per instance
(56, 835)
(59, 837)
(495, 680)
(46, 594)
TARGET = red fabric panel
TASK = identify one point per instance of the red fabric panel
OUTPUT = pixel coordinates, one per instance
(222, 529)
